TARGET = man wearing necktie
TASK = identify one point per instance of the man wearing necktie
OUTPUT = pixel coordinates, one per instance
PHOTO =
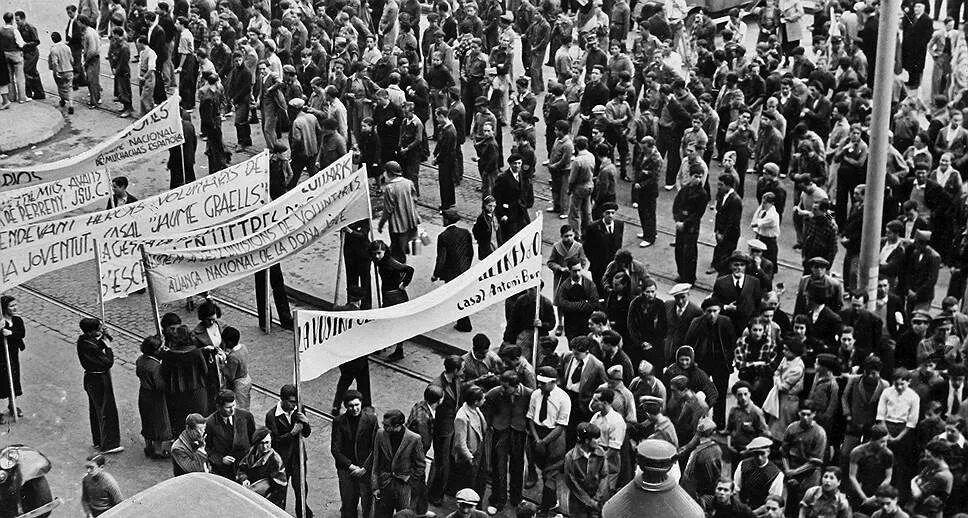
(729, 211)
(580, 373)
(227, 434)
(740, 293)
(549, 412)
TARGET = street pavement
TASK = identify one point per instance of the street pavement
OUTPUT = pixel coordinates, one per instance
(56, 419)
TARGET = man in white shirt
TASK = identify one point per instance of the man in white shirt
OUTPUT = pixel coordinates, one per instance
(548, 414)
(147, 74)
(612, 427)
(898, 409)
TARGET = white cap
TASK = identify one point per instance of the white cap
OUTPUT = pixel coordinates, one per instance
(468, 496)
(680, 288)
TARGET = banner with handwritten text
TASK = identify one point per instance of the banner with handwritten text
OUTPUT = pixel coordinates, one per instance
(28, 251)
(157, 131)
(327, 339)
(49, 200)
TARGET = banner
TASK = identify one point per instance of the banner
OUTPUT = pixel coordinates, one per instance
(158, 130)
(178, 274)
(29, 251)
(47, 200)
(327, 339)
(122, 272)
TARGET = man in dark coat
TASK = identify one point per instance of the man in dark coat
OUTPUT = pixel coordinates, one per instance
(687, 210)
(603, 237)
(509, 193)
(450, 382)
(181, 159)
(446, 153)
(920, 273)
(713, 338)
(397, 457)
(354, 435)
(917, 28)
(729, 211)
(739, 293)
(227, 434)
(455, 252)
(287, 425)
(487, 230)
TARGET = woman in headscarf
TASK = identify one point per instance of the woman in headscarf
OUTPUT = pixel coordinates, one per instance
(262, 471)
(188, 453)
(12, 327)
(184, 368)
(152, 405)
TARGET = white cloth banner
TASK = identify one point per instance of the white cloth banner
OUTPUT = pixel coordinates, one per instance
(158, 130)
(122, 272)
(180, 273)
(327, 339)
(29, 251)
(47, 200)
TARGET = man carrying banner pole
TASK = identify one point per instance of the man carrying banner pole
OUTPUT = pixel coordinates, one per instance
(302, 507)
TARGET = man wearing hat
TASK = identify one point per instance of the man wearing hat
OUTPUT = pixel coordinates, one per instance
(455, 252)
(586, 473)
(825, 393)
(399, 211)
(680, 312)
(687, 210)
(757, 477)
(759, 266)
(920, 272)
(467, 502)
(601, 239)
(687, 409)
(662, 427)
(818, 275)
(549, 412)
(739, 292)
(704, 467)
(510, 193)
(714, 340)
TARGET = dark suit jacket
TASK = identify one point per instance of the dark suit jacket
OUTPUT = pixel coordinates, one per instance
(409, 459)
(220, 440)
(764, 272)
(511, 202)
(677, 326)
(283, 442)
(458, 115)
(599, 245)
(826, 328)
(920, 273)
(554, 111)
(455, 252)
(958, 145)
(728, 215)
(747, 300)
(592, 375)
(158, 42)
(940, 393)
(421, 422)
(446, 152)
(349, 450)
(447, 409)
(867, 328)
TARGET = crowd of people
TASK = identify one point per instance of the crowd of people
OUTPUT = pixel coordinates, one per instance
(841, 406)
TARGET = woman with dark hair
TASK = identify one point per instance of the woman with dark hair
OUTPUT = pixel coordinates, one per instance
(208, 337)
(152, 404)
(262, 471)
(13, 336)
(184, 369)
(394, 278)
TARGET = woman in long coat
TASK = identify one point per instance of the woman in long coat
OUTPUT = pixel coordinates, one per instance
(152, 403)
(13, 335)
(184, 369)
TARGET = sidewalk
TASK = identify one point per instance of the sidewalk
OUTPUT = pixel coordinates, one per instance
(45, 122)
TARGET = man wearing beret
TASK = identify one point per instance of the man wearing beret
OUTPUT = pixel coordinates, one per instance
(509, 193)
(601, 239)
(714, 340)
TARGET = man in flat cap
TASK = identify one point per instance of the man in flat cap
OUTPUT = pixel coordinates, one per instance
(920, 273)
(601, 239)
(680, 312)
(704, 467)
(455, 253)
(818, 275)
(662, 427)
(757, 477)
(759, 266)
